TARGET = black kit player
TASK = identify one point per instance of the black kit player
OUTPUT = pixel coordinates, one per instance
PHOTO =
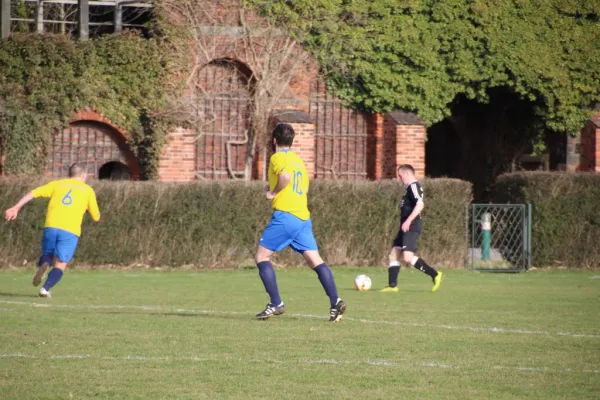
(411, 224)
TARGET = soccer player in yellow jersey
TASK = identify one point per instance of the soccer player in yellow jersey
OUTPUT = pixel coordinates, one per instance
(69, 200)
(290, 225)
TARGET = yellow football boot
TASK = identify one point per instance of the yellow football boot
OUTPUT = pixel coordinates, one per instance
(437, 281)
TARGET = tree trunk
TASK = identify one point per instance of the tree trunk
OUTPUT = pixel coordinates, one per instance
(250, 155)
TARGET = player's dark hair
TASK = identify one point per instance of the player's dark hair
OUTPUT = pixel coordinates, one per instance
(406, 167)
(284, 135)
(76, 170)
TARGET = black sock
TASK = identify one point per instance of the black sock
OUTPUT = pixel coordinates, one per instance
(393, 275)
(326, 279)
(423, 267)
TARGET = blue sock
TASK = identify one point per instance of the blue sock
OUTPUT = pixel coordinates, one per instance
(267, 274)
(53, 278)
(326, 278)
(46, 258)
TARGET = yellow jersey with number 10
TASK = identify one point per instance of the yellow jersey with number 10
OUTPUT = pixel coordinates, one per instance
(292, 198)
(69, 200)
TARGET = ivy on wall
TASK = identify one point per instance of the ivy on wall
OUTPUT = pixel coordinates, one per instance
(46, 79)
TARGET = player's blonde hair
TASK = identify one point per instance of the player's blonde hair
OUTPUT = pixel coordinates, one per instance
(406, 167)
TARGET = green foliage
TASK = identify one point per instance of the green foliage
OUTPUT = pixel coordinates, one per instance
(46, 79)
(218, 224)
(419, 55)
(566, 222)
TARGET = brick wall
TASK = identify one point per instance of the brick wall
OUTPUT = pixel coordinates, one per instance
(377, 148)
(597, 152)
(410, 147)
(178, 159)
(404, 139)
(304, 140)
(304, 145)
(583, 151)
(391, 141)
(590, 146)
(587, 161)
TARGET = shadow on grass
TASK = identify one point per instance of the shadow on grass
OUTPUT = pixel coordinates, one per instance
(5, 294)
(377, 290)
(170, 314)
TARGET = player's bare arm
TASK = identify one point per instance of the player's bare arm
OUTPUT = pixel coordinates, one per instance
(418, 208)
(284, 180)
(12, 213)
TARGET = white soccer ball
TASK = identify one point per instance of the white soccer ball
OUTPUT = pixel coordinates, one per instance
(362, 283)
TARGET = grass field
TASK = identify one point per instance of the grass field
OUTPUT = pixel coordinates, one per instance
(191, 335)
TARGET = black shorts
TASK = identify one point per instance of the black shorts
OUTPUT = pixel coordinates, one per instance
(408, 240)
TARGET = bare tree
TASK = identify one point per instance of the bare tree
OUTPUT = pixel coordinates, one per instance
(226, 31)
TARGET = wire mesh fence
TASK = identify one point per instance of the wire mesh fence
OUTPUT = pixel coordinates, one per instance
(500, 237)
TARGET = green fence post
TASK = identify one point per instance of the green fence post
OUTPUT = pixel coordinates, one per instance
(486, 230)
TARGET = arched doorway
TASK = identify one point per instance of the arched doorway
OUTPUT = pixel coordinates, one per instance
(222, 98)
(114, 171)
(94, 144)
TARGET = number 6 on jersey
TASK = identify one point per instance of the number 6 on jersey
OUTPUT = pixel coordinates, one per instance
(67, 200)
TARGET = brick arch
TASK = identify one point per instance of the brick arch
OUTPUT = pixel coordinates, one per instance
(94, 140)
(243, 68)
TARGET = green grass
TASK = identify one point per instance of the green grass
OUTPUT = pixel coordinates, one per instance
(191, 335)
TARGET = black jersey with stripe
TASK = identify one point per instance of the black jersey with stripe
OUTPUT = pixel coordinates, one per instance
(412, 195)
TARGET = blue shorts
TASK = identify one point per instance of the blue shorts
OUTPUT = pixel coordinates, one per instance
(286, 230)
(60, 244)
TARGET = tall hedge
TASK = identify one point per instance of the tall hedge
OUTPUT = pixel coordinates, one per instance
(214, 225)
(566, 215)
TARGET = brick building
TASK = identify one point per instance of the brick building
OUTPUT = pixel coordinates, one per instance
(583, 152)
(336, 142)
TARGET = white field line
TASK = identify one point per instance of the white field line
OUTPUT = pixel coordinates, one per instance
(362, 320)
(380, 363)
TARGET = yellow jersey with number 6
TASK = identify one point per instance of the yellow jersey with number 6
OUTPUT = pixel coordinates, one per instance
(69, 200)
(293, 198)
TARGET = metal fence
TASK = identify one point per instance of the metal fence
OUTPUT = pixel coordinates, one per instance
(69, 17)
(83, 143)
(340, 137)
(223, 108)
(500, 237)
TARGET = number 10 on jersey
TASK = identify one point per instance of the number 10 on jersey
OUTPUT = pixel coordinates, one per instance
(297, 184)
